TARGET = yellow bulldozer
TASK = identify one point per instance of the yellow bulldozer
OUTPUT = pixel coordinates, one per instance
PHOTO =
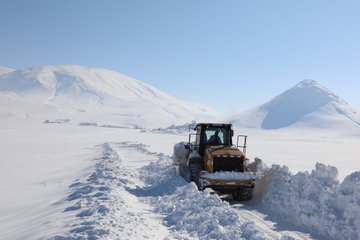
(210, 159)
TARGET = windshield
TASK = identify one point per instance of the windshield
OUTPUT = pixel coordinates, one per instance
(216, 136)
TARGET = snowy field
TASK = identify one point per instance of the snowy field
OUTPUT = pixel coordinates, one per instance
(300, 149)
(66, 181)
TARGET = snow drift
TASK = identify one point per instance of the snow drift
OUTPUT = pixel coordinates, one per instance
(307, 104)
(317, 201)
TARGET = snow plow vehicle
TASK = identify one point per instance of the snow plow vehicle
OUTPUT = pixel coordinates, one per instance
(210, 159)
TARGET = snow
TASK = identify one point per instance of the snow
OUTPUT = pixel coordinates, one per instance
(102, 207)
(118, 183)
(301, 148)
(318, 202)
(191, 214)
(36, 173)
(74, 166)
(91, 93)
(204, 216)
(180, 152)
(307, 104)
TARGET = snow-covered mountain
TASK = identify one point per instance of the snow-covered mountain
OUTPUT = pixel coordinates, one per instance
(69, 91)
(307, 104)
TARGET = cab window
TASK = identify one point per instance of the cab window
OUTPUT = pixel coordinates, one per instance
(216, 136)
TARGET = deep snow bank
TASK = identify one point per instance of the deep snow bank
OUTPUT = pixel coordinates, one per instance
(317, 201)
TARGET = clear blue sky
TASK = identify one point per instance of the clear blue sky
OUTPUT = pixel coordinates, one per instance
(230, 55)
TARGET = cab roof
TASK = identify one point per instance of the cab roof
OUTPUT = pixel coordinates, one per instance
(214, 124)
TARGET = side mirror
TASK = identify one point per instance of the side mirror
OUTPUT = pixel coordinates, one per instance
(232, 133)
